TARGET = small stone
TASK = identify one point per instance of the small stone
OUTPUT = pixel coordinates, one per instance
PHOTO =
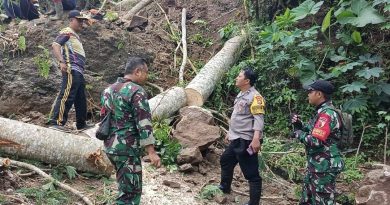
(26, 119)
(171, 184)
(220, 199)
(186, 168)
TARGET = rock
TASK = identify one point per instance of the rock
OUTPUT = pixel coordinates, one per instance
(196, 128)
(203, 169)
(196, 113)
(186, 168)
(220, 199)
(377, 189)
(26, 119)
(189, 155)
(171, 184)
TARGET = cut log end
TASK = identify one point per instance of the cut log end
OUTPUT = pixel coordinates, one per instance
(194, 97)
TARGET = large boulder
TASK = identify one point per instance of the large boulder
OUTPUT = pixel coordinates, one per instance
(377, 188)
(196, 128)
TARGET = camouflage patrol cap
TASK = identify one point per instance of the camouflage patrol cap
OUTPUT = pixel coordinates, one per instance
(321, 85)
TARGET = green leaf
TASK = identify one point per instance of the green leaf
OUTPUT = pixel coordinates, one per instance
(49, 186)
(360, 14)
(368, 73)
(356, 37)
(356, 104)
(71, 172)
(306, 8)
(354, 86)
(369, 58)
(308, 44)
(326, 21)
(22, 43)
(381, 87)
(307, 71)
(386, 26)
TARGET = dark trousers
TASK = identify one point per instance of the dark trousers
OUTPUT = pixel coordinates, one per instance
(24, 10)
(72, 92)
(249, 164)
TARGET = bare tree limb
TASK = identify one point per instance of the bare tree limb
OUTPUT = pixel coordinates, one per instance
(155, 86)
(140, 5)
(184, 41)
(59, 184)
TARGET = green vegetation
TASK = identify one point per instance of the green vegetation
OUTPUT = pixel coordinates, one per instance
(342, 42)
(43, 62)
(22, 43)
(167, 147)
(59, 171)
(111, 16)
(47, 195)
(209, 191)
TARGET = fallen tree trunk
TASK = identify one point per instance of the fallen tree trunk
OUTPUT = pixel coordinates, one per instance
(167, 103)
(54, 147)
(162, 105)
(140, 5)
(201, 87)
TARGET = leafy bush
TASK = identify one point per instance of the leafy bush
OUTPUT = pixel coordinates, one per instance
(167, 147)
(45, 196)
(209, 191)
(43, 62)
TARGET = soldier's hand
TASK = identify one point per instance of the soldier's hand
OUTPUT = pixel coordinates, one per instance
(296, 121)
(155, 159)
(296, 134)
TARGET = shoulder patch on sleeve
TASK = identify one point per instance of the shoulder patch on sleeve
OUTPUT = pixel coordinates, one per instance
(321, 128)
(258, 104)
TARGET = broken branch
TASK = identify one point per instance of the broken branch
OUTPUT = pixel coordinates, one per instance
(59, 184)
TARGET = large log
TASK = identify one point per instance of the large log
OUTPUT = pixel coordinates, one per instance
(167, 103)
(201, 87)
(54, 147)
(162, 105)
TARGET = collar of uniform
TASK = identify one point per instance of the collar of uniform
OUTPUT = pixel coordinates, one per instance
(246, 92)
(123, 80)
(323, 106)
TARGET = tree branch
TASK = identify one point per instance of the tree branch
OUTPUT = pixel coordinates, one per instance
(43, 174)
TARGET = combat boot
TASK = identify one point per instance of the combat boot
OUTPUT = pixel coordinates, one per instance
(254, 193)
(59, 11)
(50, 5)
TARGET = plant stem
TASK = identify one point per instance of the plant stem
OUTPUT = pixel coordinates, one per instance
(385, 151)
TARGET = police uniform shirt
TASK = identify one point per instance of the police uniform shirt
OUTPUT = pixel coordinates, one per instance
(248, 115)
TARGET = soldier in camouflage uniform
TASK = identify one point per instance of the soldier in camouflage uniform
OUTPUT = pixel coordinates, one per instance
(319, 135)
(131, 129)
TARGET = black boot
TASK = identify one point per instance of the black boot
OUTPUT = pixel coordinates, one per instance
(254, 193)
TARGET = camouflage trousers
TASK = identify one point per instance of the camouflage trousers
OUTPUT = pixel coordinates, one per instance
(129, 178)
(319, 188)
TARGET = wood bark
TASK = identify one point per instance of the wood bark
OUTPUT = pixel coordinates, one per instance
(54, 147)
(133, 11)
(201, 87)
(167, 103)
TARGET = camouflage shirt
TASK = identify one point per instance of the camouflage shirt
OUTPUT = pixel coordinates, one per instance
(131, 124)
(318, 136)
